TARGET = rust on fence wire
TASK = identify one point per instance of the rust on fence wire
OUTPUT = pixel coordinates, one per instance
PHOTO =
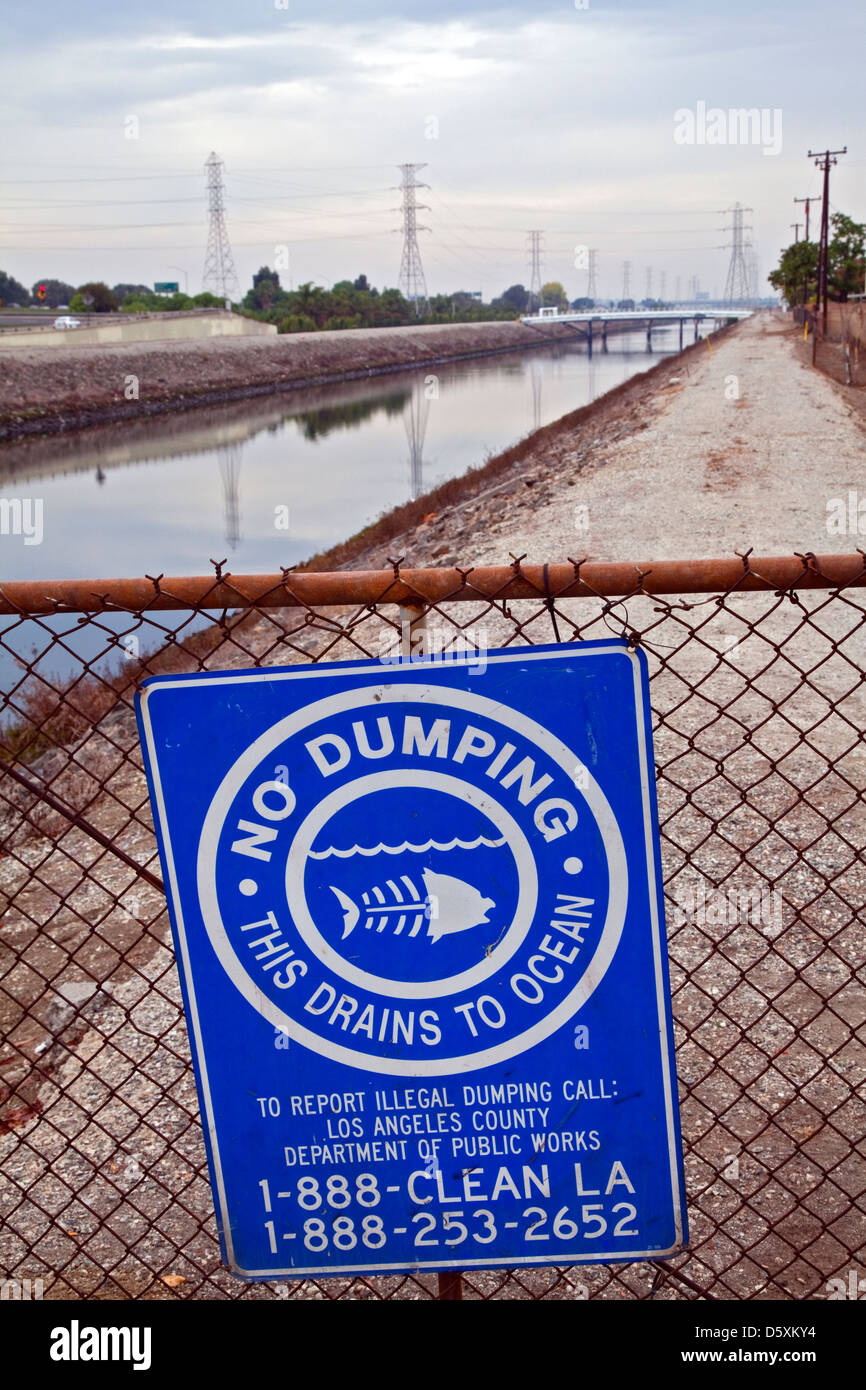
(757, 687)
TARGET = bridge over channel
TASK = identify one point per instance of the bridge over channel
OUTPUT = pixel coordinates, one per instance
(584, 321)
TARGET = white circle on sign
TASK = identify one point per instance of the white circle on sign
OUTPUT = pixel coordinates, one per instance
(410, 693)
(436, 781)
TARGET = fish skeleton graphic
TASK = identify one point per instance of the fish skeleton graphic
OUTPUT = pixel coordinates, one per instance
(449, 905)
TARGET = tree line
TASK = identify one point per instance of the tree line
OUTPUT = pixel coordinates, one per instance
(347, 304)
(358, 304)
(96, 297)
(796, 275)
(309, 308)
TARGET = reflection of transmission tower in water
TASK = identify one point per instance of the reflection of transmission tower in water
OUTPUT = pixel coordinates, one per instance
(219, 275)
(415, 422)
(229, 456)
(592, 375)
(535, 381)
(412, 281)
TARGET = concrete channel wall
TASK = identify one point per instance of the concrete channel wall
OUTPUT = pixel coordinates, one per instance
(142, 328)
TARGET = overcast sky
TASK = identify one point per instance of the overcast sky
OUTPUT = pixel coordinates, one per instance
(549, 116)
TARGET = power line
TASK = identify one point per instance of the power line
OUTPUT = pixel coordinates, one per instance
(126, 178)
(193, 174)
(159, 246)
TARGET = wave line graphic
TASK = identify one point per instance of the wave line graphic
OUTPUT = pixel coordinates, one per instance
(369, 852)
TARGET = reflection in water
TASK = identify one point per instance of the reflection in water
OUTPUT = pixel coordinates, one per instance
(415, 421)
(318, 424)
(332, 457)
(536, 376)
(592, 376)
(230, 471)
(168, 489)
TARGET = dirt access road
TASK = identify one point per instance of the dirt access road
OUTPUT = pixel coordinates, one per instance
(741, 444)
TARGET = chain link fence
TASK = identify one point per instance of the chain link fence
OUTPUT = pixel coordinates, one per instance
(840, 350)
(757, 684)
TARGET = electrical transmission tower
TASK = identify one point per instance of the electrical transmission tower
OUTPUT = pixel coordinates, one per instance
(663, 279)
(219, 276)
(412, 281)
(649, 282)
(591, 285)
(536, 251)
(626, 280)
(737, 285)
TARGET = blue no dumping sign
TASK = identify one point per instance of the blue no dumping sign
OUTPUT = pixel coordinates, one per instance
(418, 918)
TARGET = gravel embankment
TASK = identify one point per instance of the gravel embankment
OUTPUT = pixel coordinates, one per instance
(46, 390)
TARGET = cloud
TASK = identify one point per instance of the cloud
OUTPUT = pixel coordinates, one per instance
(544, 115)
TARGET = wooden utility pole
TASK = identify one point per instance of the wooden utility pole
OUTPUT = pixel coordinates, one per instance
(823, 161)
(808, 202)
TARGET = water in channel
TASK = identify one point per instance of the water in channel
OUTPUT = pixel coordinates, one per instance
(269, 482)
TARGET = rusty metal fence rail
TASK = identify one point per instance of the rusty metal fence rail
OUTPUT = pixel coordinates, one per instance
(757, 682)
